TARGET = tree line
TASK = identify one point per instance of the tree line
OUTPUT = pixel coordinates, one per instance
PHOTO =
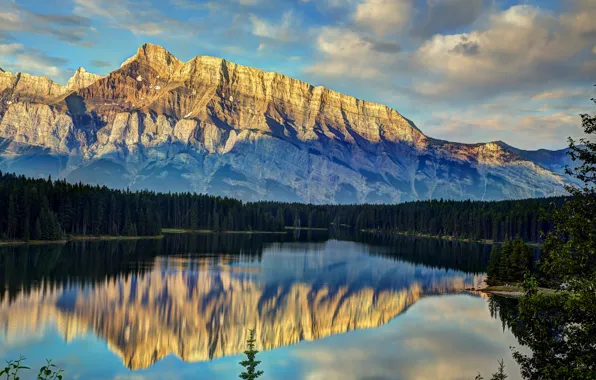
(493, 220)
(509, 262)
(42, 209)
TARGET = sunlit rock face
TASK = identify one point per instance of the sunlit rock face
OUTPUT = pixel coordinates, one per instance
(200, 309)
(212, 126)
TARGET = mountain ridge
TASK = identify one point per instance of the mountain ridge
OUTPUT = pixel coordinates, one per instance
(210, 125)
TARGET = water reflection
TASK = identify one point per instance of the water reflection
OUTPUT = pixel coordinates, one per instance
(195, 296)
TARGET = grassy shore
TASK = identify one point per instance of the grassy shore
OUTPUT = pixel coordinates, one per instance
(512, 291)
(76, 238)
(444, 237)
(307, 228)
(31, 242)
(191, 231)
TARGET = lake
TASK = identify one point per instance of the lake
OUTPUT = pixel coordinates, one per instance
(323, 307)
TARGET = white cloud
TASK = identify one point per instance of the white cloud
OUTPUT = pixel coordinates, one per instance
(10, 49)
(446, 15)
(18, 58)
(505, 122)
(342, 69)
(248, 2)
(521, 46)
(139, 18)
(72, 29)
(347, 53)
(561, 93)
(383, 16)
(211, 5)
(283, 31)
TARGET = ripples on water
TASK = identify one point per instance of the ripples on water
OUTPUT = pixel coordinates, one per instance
(360, 307)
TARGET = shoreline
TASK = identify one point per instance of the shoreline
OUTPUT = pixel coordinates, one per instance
(306, 228)
(76, 238)
(190, 231)
(443, 237)
(511, 291)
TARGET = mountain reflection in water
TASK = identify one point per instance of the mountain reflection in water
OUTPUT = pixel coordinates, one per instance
(196, 296)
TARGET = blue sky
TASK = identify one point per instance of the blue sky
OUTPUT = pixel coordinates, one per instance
(462, 70)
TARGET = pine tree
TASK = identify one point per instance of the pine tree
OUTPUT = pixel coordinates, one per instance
(250, 363)
(131, 230)
(500, 374)
(194, 216)
(505, 271)
(26, 233)
(493, 271)
(521, 259)
(55, 230)
(281, 223)
(12, 216)
(37, 234)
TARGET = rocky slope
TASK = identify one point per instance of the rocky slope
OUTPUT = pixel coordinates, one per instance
(212, 126)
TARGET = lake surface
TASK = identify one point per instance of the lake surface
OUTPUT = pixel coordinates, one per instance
(324, 307)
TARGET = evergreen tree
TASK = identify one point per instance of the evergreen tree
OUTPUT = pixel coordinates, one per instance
(505, 272)
(26, 234)
(250, 364)
(500, 374)
(194, 216)
(131, 230)
(37, 235)
(281, 222)
(12, 217)
(493, 272)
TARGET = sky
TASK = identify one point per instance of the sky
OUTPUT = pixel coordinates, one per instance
(461, 70)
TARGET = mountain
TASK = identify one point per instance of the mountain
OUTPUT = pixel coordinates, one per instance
(212, 126)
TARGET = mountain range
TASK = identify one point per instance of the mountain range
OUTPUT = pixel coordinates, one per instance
(211, 126)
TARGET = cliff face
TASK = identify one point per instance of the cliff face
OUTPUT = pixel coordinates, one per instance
(81, 79)
(209, 125)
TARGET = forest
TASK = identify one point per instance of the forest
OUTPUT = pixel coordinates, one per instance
(43, 209)
(509, 262)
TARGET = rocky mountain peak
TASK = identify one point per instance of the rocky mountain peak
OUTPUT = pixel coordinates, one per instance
(157, 57)
(81, 79)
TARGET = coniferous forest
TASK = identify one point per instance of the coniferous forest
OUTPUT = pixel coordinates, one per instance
(509, 262)
(42, 209)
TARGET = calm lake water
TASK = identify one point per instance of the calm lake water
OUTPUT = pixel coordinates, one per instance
(324, 307)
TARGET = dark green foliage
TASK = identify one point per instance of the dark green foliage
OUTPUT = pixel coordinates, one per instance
(12, 369)
(47, 372)
(250, 363)
(500, 374)
(194, 216)
(131, 230)
(60, 209)
(493, 271)
(50, 372)
(560, 328)
(48, 210)
(509, 262)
